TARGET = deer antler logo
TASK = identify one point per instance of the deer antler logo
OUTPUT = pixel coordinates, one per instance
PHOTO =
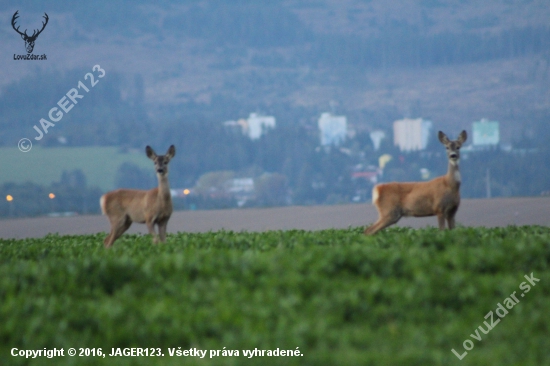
(29, 40)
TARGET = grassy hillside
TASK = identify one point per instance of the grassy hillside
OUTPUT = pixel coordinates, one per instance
(45, 165)
(404, 297)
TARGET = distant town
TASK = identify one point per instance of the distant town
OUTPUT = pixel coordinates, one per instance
(409, 136)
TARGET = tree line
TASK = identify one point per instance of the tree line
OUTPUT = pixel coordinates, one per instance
(288, 167)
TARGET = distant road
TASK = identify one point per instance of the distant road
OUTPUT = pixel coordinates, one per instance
(480, 212)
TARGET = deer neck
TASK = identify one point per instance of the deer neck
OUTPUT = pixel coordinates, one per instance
(164, 186)
(453, 175)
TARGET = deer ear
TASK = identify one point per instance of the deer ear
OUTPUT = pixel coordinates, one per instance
(462, 137)
(443, 138)
(150, 152)
(171, 152)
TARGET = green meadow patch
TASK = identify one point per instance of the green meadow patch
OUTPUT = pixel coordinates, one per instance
(332, 297)
(45, 165)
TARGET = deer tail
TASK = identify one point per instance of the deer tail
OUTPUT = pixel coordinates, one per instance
(102, 204)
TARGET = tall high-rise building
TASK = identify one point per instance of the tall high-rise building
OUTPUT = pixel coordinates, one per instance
(258, 124)
(333, 129)
(485, 133)
(411, 134)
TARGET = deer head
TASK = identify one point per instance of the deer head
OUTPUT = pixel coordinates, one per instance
(161, 161)
(453, 147)
(29, 40)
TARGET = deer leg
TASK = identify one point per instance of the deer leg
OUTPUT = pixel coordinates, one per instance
(451, 222)
(451, 217)
(441, 221)
(162, 230)
(373, 228)
(117, 229)
(383, 222)
(151, 228)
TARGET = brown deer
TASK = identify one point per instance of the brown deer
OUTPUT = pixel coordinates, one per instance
(438, 197)
(152, 207)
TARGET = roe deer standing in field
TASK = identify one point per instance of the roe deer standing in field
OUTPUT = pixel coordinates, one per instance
(439, 196)
(152, 207)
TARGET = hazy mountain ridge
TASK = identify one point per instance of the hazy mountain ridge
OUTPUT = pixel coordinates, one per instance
(451, 61)
(369, 18)
(357, 17)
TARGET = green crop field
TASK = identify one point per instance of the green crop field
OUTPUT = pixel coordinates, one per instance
(45, 165)
(331, 297)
